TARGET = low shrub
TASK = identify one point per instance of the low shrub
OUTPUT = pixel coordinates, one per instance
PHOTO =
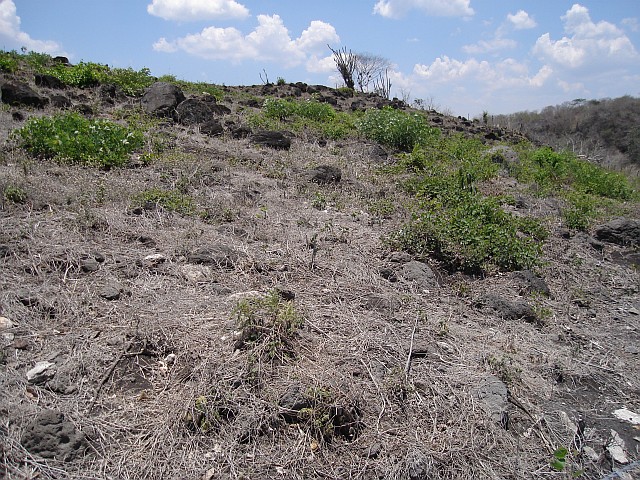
(170, 200)
(81, 75)
(72, 138)
(396, 129)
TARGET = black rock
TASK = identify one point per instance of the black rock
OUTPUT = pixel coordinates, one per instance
(271, 139)
(220, 256)
(531, 283)
(161, 99)
(193, 111)
(621, 231)
(325, 174)
(50, 436)
(21, 94)
(212, 128)
(48, 81)
(292, 402)
(507, 309)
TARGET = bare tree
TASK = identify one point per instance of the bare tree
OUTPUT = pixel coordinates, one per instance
(382, 84)
(346, 62)
(368, 69)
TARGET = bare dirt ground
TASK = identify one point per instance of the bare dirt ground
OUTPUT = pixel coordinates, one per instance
(389, 376)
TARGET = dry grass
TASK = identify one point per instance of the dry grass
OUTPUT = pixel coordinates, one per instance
(419, 422)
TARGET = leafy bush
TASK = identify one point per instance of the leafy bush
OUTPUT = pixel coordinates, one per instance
(71, 138)
(395, 128)
(81, 75)
(8, 62)
(456, 224)
(15, 194)
(132, 82)
(312, 109)
(195, 88)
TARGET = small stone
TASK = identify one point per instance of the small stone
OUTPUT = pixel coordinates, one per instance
(634, 311)
(154, 260)
(632, 349)
(196, 273)
(27, 298)
(110, 292)
(5, 324)
(89, 265)
(616, 448)
(42, 372)
(21, 344)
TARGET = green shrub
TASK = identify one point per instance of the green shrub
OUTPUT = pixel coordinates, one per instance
(311, 109)
(456, 224)
(196, 88)
(132, 82)
(8, 62)
(71, 138)
(81, 75)
(15, 194)
(396, 129)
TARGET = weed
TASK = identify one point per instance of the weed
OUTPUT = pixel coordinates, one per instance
(8, 62)
(15, 194)
(319, 201)
(71, 138)
(84, 74)
(504, 368)
(267, 325)
(196, 88)
(209, 413)
(132, 82)
(171, 200)
(396, 129)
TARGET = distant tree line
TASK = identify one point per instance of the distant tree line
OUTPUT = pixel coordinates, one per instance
(607, 131)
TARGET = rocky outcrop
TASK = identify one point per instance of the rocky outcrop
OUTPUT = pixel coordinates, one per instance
(20, 94)
(161, 99)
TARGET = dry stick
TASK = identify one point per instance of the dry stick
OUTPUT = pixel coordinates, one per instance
(108, 373)
(407, 365)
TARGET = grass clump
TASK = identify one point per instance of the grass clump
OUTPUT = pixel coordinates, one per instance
(267, 325)
(456, 224)
(296, 115)
(14, 194)
(170, 200)
(72, 138)
(396, 129)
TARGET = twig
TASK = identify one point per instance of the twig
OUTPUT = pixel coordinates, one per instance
(108, 373)
(407, 365)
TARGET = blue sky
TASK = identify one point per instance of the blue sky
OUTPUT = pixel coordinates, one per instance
(465, 56)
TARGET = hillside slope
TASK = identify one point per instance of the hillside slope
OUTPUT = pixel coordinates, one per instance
(217, 308)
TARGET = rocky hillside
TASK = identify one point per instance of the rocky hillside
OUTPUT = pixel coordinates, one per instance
(291, 281)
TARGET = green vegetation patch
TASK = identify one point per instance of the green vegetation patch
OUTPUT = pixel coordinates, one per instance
(396, 129)
(456, 224)
(304, 115)
(72, 138)
(195, 88)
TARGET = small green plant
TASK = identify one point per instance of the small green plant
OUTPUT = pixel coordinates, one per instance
(396, 129)
(209, 413)
(132, 82)
(267, 325)
(281, 81)
(8, 62)
(171, 200)
(71, 138)
(559, 461)
(84, 74)
(504, 368)
(196, 88)
(15, 194)
(319, 201)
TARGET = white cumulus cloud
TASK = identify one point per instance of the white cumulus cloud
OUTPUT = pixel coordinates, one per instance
(14, 37)
(489, 46)
(270, 41)
(521, 20)
(587, 44)
(437, 8)
(190, 10)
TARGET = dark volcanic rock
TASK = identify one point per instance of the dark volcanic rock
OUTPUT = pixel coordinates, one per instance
(212, 128)
(51, 436)
(21, 94)
(161, 99)
(325, 174)
(530, 283)
(507, 309)
(621, 231)
(420, 273)
(220, 256)
(48, 81)
(193, 111)
(271, 139)
(292, 402)
(60, 101)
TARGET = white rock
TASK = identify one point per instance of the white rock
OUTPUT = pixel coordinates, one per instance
(5, 324)
(196, 273)
(616, 448)
(154, 260)
(627, 416)
(42, 372)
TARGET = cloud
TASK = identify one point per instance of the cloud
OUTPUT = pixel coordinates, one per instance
(194, 10)
(16, 38)
(270, 41)
(521, 20)
(486, 75)
(632, 24)
(436, 8)
(588, 44)
(321, 65)
(488, 46)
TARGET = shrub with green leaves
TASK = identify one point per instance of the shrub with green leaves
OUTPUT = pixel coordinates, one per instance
(456, 224)
(72, 138)
(132, 82)
(196, 88)
(396, 129)
(8, 62)
(81, 75)
(311, 109)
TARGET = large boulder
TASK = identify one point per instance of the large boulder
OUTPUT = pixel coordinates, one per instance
(161, 99)
(621, 231)
(21, 94)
